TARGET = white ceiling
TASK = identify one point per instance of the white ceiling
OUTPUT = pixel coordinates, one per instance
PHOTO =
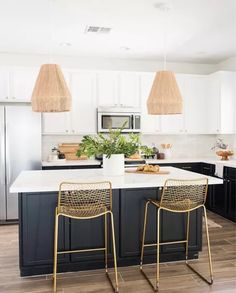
(201, 31)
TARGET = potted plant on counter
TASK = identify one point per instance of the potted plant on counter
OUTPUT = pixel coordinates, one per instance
(114, 147)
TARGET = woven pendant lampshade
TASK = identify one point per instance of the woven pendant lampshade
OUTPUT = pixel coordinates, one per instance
(165, 97)
(51, 93)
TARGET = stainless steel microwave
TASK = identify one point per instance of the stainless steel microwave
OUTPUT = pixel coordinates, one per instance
(115, 117)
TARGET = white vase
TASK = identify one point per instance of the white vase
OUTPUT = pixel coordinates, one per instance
(113, 166)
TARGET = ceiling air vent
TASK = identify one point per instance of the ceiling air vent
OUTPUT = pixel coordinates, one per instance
(97, 29)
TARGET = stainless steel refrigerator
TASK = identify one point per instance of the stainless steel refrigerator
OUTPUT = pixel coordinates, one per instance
(20, 149)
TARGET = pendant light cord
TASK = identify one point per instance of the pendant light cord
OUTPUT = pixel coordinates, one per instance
(165, 10)
(51, 31)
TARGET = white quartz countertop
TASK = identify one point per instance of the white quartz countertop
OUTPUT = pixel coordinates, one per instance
(49, 180)
(71, 163)
(209, 160)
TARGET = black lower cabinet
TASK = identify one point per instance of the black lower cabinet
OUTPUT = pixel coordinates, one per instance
(222, 197)
(36, 233)
(230, 193)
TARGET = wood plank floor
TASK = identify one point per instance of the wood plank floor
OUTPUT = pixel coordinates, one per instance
(175, 277)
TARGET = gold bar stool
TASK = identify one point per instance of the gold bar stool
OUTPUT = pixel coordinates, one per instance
(85, 201)
(178, 196)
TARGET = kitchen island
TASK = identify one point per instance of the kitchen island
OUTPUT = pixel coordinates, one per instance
(38, 191)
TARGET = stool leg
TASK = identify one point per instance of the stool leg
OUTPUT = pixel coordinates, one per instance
(158, 250)
(55, 254)
(208, 246)
(144, 234)
(105, 229)
(114, 251)
(187, 238)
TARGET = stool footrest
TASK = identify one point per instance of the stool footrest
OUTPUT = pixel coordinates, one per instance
(165, 243)
(81, 250)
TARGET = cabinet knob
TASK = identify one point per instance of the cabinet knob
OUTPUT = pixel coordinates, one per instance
(67, 130)
(6, 98)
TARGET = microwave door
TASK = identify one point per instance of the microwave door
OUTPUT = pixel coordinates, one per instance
(116, 121)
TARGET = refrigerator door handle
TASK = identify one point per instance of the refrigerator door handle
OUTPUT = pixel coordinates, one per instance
(8, 171)
(2, 147)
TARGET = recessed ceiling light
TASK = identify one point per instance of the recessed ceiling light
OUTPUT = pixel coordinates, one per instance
(162, 6)
(201, 53)
(65, 44)
(124, 48)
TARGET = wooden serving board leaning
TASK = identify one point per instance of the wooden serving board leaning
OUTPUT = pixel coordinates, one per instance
(160, 172)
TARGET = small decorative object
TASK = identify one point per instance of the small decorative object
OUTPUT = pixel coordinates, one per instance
(224, 154)
(167, 150)
(147, 152)
(114, 147)
(222, 150)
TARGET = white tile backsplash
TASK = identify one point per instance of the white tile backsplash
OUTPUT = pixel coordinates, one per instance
(183, 146)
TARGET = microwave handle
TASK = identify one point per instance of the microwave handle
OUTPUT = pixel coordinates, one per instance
(133, 122)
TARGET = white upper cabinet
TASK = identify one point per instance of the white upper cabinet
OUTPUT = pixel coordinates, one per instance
(118, 89)
(228, 102)
(83, 114)
(56, 123)
(195, 104)
(222, 102)
(22, 84)
(150, 124)
(107, 88)
(4, 85)
(129, 91)
(16, 85)
(213, 104)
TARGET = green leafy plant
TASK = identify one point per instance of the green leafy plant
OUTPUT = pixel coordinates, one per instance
(112, 143)
(147, 151)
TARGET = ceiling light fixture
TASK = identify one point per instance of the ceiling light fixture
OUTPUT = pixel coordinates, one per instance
(51, 93)
(165, 97)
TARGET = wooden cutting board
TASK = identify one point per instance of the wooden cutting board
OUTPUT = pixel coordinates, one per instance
(161, 172)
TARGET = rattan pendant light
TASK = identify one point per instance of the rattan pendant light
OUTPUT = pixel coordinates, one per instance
(51, 93)
(165, 97)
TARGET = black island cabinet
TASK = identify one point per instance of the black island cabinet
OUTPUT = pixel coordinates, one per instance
(36, 232)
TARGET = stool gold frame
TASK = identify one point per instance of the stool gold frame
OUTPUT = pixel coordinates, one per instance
(83, 201)
(178, 196)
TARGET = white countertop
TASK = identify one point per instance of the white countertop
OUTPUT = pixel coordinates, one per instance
(210, 160)
(49, 180)
(71, 163)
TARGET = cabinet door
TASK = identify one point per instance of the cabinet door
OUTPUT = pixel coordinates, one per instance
(83, 114)
(37, 216)
(132, 215)
(174, 123)
(196, 112)
(213, 104)
(107, 88)
(56, 123)
(22, 84)
(4, 85)
(90, 234)
(150, 124)
(129, 94)
(219, 199)
(228, 102)
(231, 199)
